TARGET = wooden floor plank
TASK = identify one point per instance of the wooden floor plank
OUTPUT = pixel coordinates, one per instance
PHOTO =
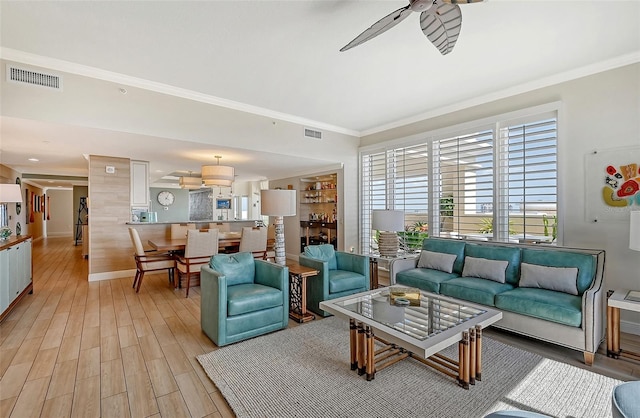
(122, 353)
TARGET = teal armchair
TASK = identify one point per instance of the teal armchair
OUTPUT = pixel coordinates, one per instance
(340, 274)
(242, 297)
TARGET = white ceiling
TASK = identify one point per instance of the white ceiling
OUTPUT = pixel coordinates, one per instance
(279, 61)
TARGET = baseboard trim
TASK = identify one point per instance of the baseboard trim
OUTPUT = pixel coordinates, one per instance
(108, 275)
(630, 327)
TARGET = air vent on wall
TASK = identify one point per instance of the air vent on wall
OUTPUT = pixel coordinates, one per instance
(312, 133)
(35, 78)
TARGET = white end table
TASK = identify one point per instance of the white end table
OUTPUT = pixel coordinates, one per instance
(376, 258)
(615, 301)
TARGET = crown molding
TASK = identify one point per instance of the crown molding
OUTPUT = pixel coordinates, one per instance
(10, 54)
(587, 70)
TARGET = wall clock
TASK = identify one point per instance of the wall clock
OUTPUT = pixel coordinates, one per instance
(166, 198)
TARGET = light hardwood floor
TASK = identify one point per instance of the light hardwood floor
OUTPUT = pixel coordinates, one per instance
(82, 349)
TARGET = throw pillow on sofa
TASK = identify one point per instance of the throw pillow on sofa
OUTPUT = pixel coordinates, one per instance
(436, 261)
(484, 268)
(561, 279)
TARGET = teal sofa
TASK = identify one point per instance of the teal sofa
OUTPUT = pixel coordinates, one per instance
(551, 293)
(242, 297)
(339, 274)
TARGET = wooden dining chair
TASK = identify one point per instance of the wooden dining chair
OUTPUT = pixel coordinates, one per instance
(254, 240)
(179, 231)
(149, 260)
(220, 226)
(200, 247)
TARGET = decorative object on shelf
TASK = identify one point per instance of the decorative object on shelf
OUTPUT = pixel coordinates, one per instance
(634, 230)
(9, 193)
(166, 198)
(278, 203)
(388, 222)
(190, 182)
(19, 204)
(217, 175)
(5, 233)
(18, 228)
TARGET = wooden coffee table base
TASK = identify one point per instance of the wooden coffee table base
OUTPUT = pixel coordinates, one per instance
(367, 360)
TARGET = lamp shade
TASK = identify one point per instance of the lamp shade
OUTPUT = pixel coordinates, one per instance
(10, 193)
(388, 220)
(217, 172)
(634, 230)
(217, 182)
(276, 202)
(190, 182)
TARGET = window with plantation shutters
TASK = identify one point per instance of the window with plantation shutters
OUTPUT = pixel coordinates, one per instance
(528, 191)
(394, 179)
(497, 181)
(463, 190)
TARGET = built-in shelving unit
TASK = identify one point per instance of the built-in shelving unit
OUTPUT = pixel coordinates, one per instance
(318, 210)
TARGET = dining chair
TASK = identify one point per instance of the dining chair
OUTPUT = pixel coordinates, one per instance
(254, 240)
(180, 230)
(220, 226)
(200, 247)
(149, 260)
(271, 243)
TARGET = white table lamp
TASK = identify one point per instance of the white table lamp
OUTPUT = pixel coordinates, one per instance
(388, 222)
(9, 193)
(278, 203)
(634, 230)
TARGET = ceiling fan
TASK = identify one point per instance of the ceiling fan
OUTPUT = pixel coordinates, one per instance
(440, 21)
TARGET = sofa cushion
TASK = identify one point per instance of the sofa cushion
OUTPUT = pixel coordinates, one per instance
(485, 269)
(561, 279)
(473, 289)
(559, 307)
(238, 268)
(245, 298)
(425, 279)
(436, 261)
(324, 252)
(448, 246)
(343, 280)
(585, 263)
(495, 252)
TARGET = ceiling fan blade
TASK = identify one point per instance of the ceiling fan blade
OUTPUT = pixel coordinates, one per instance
(441, 25)
(379, 27)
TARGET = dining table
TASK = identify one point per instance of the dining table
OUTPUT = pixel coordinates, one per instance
(178, 244)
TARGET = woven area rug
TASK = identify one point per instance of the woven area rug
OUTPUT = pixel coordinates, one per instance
(304, 372)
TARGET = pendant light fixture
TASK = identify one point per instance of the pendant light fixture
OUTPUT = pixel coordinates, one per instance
(190, 182)
(217, 175)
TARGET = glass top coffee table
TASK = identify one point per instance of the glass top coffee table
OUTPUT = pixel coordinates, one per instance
(413, 323)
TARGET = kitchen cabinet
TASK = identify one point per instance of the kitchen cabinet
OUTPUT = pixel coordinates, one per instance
(140, 183)
(15, 272)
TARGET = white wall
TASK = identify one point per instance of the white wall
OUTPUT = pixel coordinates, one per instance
(599, 112)
(61, 217)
